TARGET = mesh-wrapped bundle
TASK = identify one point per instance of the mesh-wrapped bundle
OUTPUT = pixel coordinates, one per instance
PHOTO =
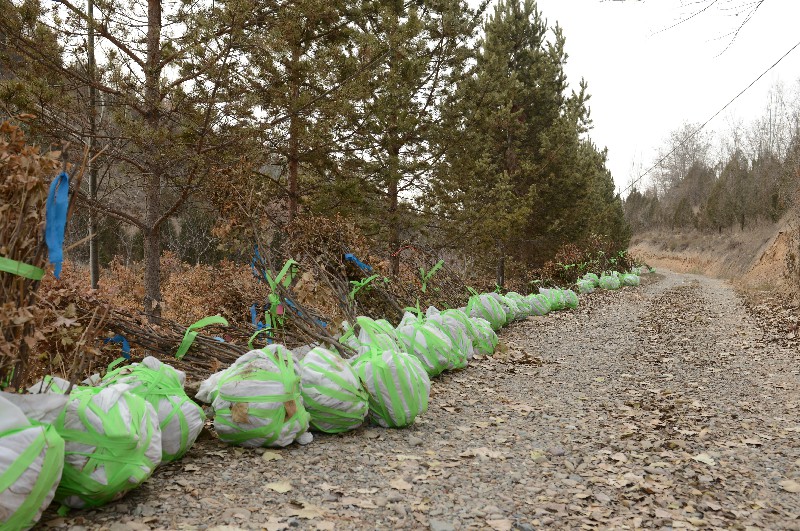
(509, 308)
(257, 400)
(486, 307)
(485, 339)
(585, 286)
(456, 329)
(570, 299)
(593, 278)
(479, 345)
(540, 304)
(523, 304)
(113, 444)
(332, 393)
(31, 462)
(609, 282)
(397, 384)
(555, 297)
(629, 279)
(180, 419)
(374, 334)
(428, 343)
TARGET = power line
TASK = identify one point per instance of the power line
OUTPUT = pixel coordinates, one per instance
(693, 133)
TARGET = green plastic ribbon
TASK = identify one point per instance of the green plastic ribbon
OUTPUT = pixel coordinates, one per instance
(20, 269)
(427, 276)
(358, 285)
(51, 444)
(190, 335)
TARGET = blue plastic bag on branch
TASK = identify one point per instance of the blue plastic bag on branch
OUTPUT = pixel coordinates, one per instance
(540, 304)
(398, 387)
(486, 307)
(629, 279)
(181, 420)
(332, 393)
(555, 297)
(609, 282)
(257, 400)
(31, 462)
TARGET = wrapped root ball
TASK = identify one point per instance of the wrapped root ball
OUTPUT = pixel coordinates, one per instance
(486, 339)
(570, 299)
(456, 331)
(609, 282)
(257, 400)
(397, 384)
(180, 419)
(332, 393)
(31, 462)
(540, 304)
(486, 307)
(430, 345)
(113, 444)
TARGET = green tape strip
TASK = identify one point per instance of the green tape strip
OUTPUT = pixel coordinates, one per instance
(22, 270)
(190, 335)
(427, 276)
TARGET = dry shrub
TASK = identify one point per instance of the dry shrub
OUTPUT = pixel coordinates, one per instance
(228, 289)
(595, 254)
(24, 174)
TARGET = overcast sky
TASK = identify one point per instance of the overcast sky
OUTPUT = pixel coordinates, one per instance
(646, 82)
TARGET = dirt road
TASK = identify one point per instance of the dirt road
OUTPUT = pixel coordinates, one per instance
(656, 407)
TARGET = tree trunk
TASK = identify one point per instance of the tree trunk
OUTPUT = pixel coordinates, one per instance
(501, 265)
(94, 255)
(294, 140)
(152, 192)
(394, 220)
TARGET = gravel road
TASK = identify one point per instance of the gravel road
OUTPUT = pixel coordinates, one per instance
(655, 407)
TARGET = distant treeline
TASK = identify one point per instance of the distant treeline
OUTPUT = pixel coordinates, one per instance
(746, 176)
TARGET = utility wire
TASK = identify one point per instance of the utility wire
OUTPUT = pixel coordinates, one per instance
(693, 133)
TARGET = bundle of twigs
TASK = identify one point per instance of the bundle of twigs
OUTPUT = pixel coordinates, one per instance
(25, 174)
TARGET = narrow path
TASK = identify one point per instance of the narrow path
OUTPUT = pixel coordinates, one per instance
(657, 407)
